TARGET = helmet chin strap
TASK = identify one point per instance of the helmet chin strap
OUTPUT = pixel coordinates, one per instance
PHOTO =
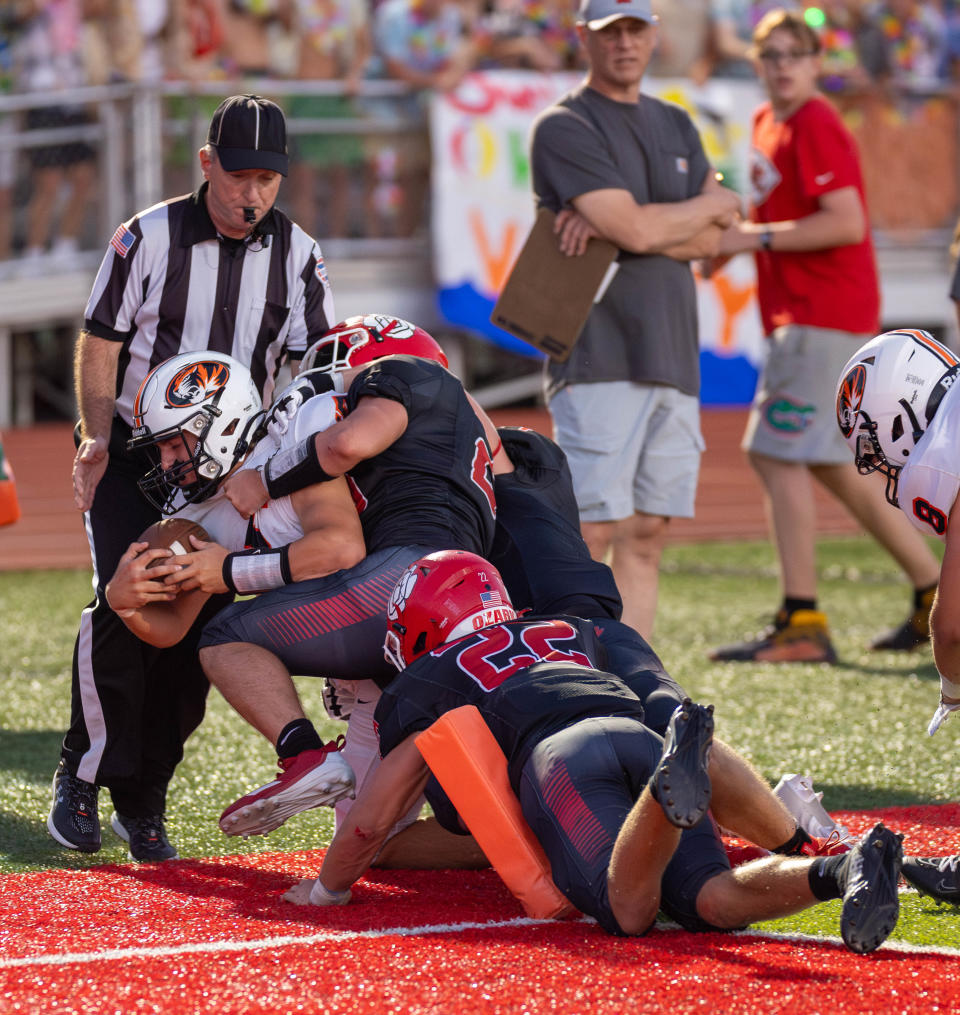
(245, 443)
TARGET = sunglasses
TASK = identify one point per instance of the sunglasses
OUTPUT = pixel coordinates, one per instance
(784, 56)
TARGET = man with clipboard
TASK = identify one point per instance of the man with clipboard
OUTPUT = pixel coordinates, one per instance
(617, 164)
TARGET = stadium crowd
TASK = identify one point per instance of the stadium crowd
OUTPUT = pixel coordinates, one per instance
(898, 46)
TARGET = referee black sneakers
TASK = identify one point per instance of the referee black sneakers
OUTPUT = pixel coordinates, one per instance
(146, 836)
(74, 820)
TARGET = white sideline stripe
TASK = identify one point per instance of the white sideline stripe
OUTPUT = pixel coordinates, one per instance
(898, 946)
(264, 942)
(438, 928)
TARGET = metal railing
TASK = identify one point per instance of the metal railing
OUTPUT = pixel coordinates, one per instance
(145, 140)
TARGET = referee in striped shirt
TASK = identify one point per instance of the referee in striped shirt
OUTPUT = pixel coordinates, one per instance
(219, 269)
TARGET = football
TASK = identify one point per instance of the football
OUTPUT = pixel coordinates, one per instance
(172, 534)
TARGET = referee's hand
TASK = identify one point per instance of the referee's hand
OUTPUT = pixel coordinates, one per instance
(88, 469)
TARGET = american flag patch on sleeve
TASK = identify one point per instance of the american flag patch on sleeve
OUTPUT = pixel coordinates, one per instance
(491, 598)
(321, 271)
(122, 241)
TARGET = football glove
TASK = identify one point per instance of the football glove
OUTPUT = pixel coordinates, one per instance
(286, 404)
(940, 716)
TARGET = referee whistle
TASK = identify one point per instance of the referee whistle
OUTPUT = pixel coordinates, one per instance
(250, 215)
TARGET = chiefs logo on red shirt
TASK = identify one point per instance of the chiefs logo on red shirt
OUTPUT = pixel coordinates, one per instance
(195, 383)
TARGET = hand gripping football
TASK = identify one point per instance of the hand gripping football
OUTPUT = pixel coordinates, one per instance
(173, 534)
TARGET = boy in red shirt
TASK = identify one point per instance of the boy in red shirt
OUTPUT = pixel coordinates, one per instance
(820, 300)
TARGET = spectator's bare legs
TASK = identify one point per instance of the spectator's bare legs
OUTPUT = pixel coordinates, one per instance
(792, 517)
(255, 683)
(303, 196)
(742, 801)
(81, 177)
(760, 890)
(6, 222)
(865, 500)
(45, 184)
(645, 843)
(635, 545)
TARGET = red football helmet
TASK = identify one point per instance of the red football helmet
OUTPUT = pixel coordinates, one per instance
(443, 596)
(359, 340)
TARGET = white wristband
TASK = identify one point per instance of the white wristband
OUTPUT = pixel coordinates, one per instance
(322, 896)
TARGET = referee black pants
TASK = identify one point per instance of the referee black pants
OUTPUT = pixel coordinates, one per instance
(132, 705)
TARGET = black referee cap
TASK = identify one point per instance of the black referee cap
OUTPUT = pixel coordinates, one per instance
(249, 132)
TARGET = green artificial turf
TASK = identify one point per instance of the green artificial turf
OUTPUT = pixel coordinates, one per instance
(858, 728)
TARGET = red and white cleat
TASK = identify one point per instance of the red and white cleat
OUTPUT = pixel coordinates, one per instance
(311, 779)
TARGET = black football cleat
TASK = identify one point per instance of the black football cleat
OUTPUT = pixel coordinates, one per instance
(680, 783)
(936, 876)
(871, 903)
(74, 820)
(913, 633)
(146, 836)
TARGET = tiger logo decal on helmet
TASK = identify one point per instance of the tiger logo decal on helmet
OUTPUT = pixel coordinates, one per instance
(196, 382)
(208, 405)
(849, 397)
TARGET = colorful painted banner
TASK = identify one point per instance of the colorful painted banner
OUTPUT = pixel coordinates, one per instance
(483, 208)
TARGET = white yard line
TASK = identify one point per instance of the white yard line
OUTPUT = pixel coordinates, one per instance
(288, 940)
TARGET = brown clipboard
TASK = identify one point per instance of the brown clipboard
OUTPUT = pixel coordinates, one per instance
(547, 296)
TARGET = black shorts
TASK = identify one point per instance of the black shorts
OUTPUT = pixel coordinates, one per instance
(67, 153)
(332, 626)
(576, 790)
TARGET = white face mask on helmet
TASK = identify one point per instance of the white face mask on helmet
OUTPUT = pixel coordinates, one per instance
(208, 395)
(888, 393)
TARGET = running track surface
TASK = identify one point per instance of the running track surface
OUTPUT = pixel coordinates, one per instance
(199, 936)
(50, 533)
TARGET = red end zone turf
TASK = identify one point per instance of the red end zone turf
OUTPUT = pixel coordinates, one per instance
(213, 936)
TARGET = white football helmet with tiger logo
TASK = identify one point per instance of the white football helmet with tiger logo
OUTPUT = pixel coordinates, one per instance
(207, 395)
(888, 394)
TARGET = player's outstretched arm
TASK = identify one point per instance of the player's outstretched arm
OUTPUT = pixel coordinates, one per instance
(945, 624)
(384, 799)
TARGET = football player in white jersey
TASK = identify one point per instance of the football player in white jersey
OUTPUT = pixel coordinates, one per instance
(200, 417)
(898, 406)
(198, 414)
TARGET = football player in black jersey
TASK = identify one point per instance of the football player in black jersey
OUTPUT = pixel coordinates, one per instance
(619, 813)
(420, 459)
(536, 543)
(548, 569)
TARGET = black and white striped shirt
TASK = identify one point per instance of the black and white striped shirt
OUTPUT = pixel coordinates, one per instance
(169, 284)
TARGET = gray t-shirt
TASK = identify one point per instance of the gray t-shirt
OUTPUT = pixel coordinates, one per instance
(645, 327)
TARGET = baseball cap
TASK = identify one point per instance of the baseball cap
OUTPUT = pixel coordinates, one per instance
(599, 13)
(249, 132)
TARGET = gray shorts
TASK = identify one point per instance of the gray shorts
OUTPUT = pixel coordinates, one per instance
(794, 413)
(631, 447)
